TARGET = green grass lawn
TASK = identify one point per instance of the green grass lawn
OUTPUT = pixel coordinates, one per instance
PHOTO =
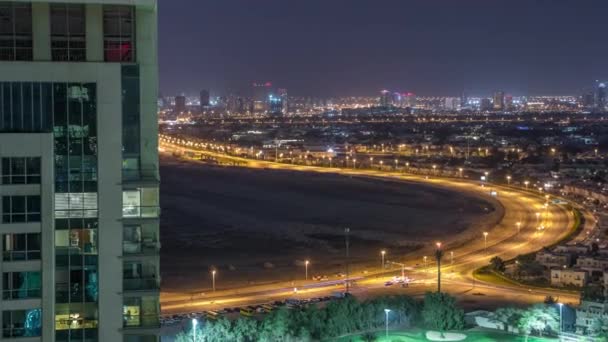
(419, 335)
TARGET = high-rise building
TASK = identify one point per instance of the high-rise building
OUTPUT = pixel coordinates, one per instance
(261, 94)
(275, 104)
(499, 100)
(452, 103)
(204, 98)
(180, 104)
(601, 96)
(485, 105)
(79, 177)
(386, 99)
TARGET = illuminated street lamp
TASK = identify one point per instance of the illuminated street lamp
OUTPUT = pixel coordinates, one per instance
(527, 183)
(509, 180)
(518, 227)
(438, 256)
(213, 278)
(354, 163)
(382, 253)
(425, 268)
(485, 241)
(194, 324)
(371, 162)
(460, 171)
(452, 258)
(396, 163)
(537, 217)
(386, 311)
(561, 305)
(306, 267)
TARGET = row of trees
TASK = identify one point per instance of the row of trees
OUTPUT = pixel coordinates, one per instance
(348, 316)
(540, 319)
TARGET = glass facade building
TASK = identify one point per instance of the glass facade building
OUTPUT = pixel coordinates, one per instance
(79, 170)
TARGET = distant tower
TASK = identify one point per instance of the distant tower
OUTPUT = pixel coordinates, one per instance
(180, 104)
(385, 98)
(204, 98)
(261, 95)
(499, 100)
(601, 99)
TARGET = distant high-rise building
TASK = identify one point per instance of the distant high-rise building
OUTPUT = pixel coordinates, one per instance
(204, 98)
(452, 103)
(261, 95)
(180, 104)
(499, 100)
(464, 100)
(275, 103)
(588, 100)
(509, 102)
(485, 105)
(410, 100)
(80, 186)
(385, 98)
(601, 96)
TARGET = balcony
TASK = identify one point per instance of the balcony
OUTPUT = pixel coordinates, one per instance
(149, 177)
(141, 284)
(143, 248)
(140, 203)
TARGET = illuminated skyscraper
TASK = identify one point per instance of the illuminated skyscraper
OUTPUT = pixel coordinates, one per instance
(499, 100)
(601, 96)
(80, 206)
(386, 99)
(261, 95)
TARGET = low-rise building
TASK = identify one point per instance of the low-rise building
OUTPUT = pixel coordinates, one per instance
(587, 313)
(569, 277)
(592, 264)
(551, 259)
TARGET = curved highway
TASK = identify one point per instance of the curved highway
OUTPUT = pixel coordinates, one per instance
(506, 240)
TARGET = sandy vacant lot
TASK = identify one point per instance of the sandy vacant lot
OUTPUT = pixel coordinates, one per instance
(258, 225)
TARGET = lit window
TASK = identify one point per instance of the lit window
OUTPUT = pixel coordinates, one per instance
(119, 33)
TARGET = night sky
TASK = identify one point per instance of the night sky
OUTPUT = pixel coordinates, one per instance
(358, 47)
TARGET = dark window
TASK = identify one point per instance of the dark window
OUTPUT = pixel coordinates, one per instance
(25, 107)
(19, 209)
(17, 170)
(21, 247)
(15, 31)
(68, 32)
(119, 33)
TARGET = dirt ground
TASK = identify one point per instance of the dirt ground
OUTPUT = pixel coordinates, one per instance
(260, 225)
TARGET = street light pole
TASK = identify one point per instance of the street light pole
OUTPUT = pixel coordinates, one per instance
(518, 227)
(485, 241)
(561, 305)
(194, 324)
(383, 253)
(213, 279)
(347, 241)
(306, 267)
(438, 256)
(425, 267)
(386, 311)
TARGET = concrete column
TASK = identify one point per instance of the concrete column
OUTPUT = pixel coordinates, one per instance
(147, 58)
(41, 29)
(94, 32)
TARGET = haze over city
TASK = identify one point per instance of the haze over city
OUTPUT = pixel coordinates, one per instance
(358, 47)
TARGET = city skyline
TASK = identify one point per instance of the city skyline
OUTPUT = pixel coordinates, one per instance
(359, 48)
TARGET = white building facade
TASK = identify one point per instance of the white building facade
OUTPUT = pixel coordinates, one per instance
(79, 190)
